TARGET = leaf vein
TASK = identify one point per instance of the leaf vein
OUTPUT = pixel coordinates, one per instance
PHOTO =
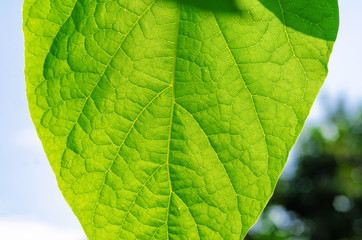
(120, 147)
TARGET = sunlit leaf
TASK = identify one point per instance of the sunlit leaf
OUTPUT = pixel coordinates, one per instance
(172, 119)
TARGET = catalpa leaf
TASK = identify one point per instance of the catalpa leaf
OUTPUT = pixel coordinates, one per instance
(170, 119)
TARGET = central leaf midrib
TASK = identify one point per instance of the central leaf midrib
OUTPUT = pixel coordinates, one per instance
(242, 78)
(178, 16)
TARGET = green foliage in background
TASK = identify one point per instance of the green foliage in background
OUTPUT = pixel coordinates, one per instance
(172, 119)
(323, 199)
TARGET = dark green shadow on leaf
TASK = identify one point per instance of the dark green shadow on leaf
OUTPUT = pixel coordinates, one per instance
(213, 5)
(306, 17)
(302, 16)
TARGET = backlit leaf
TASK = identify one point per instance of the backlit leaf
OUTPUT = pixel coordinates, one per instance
(172, 119)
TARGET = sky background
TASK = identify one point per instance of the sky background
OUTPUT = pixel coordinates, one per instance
(32, 207)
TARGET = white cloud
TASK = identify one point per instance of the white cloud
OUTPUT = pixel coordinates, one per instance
(27, 138)
(18, 229)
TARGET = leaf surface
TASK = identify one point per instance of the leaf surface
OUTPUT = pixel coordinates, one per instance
(172, 119)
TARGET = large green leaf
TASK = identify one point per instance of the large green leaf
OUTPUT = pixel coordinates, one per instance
(172, 119)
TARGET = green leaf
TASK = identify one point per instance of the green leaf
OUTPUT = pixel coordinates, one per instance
(172, 119)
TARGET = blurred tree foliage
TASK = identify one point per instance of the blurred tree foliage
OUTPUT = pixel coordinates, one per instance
(323, 199)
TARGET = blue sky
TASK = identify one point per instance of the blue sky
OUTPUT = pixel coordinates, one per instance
(29, 197)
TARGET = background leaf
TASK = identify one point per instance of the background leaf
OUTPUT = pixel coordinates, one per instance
(170, 120)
